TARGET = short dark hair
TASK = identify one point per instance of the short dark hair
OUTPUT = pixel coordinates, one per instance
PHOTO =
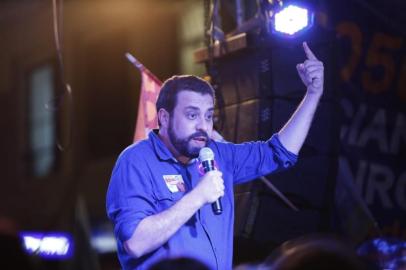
(181, 263)
(172, 86)
(314, 252)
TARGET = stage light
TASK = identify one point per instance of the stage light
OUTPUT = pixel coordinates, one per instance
(48, 245)
(103, 241)
(291, 20)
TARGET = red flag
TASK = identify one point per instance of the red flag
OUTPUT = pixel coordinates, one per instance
(150, 86)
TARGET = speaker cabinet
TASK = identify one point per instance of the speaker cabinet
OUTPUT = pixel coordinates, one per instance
(259, 91)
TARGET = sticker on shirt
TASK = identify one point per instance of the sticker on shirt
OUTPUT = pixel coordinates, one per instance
(175, 183)
(200, 168)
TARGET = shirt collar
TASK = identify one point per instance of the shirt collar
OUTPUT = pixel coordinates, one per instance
(160, 148)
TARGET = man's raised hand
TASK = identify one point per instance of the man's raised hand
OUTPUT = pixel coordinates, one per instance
(311, 71)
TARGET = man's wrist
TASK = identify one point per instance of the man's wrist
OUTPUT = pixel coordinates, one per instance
(314, 93)
(195, 198)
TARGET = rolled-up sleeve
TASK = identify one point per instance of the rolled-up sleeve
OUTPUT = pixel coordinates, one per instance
(128, 198)
(284, 157)
(255, 159)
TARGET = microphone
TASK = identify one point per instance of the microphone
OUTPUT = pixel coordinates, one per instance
(206, 158)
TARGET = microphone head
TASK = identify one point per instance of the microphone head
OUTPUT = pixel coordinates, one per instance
(206, 154)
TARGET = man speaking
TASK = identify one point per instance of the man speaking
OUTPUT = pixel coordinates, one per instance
(160, 195)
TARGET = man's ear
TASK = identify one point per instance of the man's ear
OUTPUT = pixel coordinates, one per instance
(163, 117)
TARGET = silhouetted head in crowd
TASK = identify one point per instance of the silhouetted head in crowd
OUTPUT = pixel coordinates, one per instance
(11, 247)
(181, 263)
(314, 253)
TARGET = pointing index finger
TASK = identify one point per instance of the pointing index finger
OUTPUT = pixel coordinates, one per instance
(310, 55)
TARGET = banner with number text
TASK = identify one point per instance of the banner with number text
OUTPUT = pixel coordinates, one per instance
(372, 86)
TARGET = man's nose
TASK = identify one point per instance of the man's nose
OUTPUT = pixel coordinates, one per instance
(202, 124)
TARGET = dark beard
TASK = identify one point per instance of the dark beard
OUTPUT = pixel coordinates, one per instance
(182, 145)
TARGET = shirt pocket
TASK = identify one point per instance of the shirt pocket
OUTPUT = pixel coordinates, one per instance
(165, 199)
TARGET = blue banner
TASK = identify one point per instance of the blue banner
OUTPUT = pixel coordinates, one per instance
(372, 76)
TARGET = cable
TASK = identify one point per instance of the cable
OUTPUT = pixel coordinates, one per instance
(55, 104)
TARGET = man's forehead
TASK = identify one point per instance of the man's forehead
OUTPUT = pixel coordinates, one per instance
(187, 98)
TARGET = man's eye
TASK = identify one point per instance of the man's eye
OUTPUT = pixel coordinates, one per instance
(192, 116)
(209, 117)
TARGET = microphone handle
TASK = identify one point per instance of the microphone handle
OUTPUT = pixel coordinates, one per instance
(217, 207)
(208, 165)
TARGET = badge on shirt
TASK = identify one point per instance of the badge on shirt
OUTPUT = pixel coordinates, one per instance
(175, 183)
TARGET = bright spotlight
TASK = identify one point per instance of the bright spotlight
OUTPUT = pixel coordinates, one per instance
(291, 20)
(48, 245)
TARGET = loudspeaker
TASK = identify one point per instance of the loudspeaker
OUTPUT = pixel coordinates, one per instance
(259, 91)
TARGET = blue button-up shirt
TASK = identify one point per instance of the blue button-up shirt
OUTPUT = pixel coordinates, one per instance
(138, 189)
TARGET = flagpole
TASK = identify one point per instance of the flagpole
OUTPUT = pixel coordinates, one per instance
(140, 66)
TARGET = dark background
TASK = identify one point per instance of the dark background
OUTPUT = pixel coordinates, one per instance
(358, 132)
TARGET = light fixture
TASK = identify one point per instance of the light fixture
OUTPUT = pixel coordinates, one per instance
(48, 245)
(290, 20)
